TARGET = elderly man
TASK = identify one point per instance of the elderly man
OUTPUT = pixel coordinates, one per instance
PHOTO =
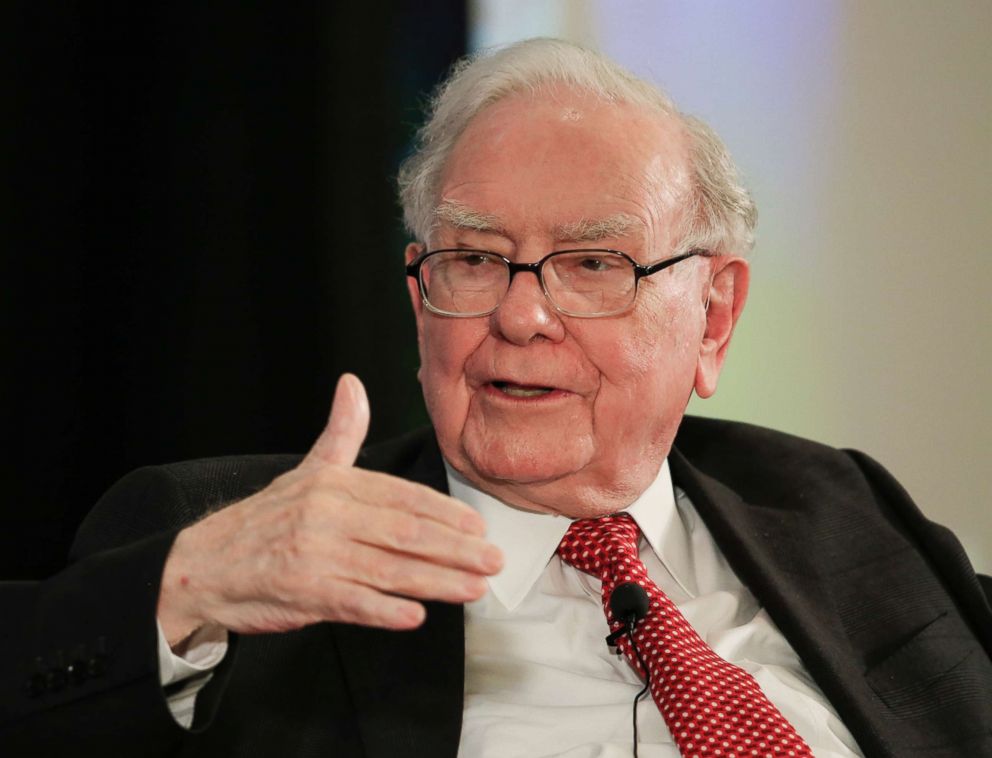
(577, 273)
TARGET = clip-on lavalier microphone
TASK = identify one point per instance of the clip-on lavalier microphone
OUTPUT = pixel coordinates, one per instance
(629, 604)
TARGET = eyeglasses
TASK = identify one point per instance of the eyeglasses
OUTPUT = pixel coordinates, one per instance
(584, 283)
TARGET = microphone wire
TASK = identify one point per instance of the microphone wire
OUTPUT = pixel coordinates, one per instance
(647, 678)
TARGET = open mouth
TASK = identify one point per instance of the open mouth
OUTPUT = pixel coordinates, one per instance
(521, 390)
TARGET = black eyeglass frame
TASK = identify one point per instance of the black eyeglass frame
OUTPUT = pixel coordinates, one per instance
(641, 270)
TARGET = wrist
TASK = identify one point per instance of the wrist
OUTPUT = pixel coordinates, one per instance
(177, 609)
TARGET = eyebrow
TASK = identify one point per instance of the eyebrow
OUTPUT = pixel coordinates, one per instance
(594, 230)
(462, 216)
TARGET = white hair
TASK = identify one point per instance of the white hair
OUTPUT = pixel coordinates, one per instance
(720, 216)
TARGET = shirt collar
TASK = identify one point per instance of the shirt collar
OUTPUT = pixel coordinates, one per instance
(529, 540)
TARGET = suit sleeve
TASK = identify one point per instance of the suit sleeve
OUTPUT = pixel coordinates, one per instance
(79, 673)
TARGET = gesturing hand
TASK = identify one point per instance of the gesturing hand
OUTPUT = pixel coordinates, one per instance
(326, 542)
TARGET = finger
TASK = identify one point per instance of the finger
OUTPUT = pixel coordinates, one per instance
(399, 574)
(421, 538)
(410, 497)
(353, 603)
(346, 428)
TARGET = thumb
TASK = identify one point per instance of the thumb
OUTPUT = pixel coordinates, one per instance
(346, 428)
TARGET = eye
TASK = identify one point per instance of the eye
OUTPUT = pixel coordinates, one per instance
(595, 264)
(476, 259)
(599, 264)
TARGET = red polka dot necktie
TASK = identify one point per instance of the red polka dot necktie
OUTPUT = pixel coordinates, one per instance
(711, 707)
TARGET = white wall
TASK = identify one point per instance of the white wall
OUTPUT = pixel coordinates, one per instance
(865, 132)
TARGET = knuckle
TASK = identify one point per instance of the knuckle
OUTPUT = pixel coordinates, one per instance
(406, 531)
(419, 584)
(349, 607)
(385, 573)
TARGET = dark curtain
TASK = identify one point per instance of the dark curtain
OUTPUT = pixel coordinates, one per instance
(199, 234)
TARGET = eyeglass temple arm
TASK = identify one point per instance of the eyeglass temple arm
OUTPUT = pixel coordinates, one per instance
(654, 268)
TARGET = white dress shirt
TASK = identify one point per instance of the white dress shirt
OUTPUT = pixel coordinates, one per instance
(539, 678)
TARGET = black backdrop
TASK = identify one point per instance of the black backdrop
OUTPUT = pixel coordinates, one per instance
(199, 234)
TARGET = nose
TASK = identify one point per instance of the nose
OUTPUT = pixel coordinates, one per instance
(525, 313)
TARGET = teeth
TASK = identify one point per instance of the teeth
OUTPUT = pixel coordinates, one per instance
(518, 391)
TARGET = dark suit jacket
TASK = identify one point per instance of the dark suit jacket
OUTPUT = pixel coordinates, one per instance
(880, 603)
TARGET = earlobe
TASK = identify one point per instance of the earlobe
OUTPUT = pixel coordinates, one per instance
(724, 303)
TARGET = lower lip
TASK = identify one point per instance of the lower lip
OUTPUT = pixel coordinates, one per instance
(545, 397)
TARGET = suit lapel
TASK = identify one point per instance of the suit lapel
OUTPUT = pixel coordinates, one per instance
(766, 548)
(407, 687)
(775, 552)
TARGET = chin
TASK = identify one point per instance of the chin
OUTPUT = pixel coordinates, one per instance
(519, 459)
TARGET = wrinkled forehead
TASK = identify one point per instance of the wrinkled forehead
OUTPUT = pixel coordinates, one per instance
(565, 112)
(573, 164)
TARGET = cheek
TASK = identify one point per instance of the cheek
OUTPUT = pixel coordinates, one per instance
(648, 370)
(673, 324)
(634, 374)
(654, 346)
(446, 346)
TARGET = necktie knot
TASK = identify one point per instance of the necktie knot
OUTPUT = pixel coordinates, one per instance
(597, 545)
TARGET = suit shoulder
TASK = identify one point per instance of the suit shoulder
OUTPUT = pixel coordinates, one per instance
(743, 455)
(158, 498)
(702, 435)
(216, 480)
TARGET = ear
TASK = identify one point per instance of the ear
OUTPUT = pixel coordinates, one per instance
(726, 295)
(413, 288)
